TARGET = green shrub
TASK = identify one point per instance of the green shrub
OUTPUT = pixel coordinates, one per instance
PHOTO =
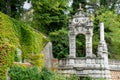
(30, 73)
(18, 72)
(47, 74)
(24, 73)
(73, 77)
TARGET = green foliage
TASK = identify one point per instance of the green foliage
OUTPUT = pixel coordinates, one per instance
(14, 34)
(12, 7)
(87, 78)
(101, 79)
(108, 4)
(60, 43)
(73, 77)
(36, 60)
(47, 74)
(80, 45)
(16, 58)
(48, 16)
(24, 73)
(6, 58)
(104, 3)
(75, 4)
(112, 30)
(6, 46)
(17, 72)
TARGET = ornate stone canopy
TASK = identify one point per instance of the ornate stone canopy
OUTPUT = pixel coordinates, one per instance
(81, 23)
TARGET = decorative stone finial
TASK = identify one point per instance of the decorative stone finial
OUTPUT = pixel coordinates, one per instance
(80, 7)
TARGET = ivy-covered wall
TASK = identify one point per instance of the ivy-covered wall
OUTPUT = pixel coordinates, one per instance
(15, 34)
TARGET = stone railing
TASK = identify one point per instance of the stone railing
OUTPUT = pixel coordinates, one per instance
(94, 67)
(91, 63)
(114, 64)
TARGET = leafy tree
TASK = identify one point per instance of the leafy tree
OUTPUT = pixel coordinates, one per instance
(49, 15)
(104, 2)
(12, 8)
(60, 43)
(80, 45)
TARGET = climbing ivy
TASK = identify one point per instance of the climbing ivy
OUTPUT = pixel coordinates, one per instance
(13, 35)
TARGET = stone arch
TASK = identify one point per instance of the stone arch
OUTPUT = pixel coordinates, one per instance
(81, 23)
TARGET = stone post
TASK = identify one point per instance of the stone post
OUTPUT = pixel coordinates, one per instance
(72, 44)
(102, 32)
(103, 51)
(88, 45)
(102, 43)
(102, 47)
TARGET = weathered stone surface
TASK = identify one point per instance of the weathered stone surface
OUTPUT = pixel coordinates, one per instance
(48, 55)
(80, 24)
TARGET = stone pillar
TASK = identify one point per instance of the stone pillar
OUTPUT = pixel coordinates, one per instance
(103, 52)
(88, 45)
(102, 32)
(102, 47)
(72, 46)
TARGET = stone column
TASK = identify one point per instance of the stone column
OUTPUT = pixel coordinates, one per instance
(88, 45)
(102, 32)
(72, 46)
(103, 52)
(102, 47)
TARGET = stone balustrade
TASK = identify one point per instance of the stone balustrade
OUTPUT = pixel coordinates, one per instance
(94, 67)
(114, 64)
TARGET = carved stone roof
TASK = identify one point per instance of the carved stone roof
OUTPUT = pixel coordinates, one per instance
(80, 14)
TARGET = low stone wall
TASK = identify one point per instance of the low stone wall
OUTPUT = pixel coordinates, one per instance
(93, 67)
